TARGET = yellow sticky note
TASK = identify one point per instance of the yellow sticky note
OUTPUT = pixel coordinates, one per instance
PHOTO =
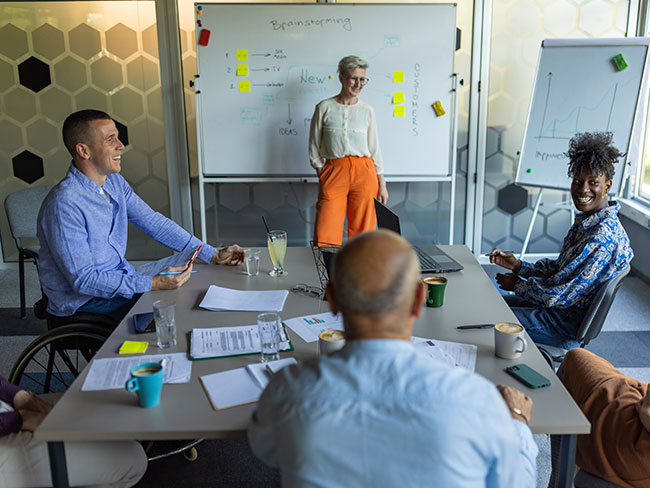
(242, 54)
(133, 347)
(398, 111)
(398, 76)
(242, 70)
(398, 97)
(244, 86)
(437, 107)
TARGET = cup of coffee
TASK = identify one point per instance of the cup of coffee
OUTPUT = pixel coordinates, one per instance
(330, 340)
(146, 380)
(435, 290)
(509, 341)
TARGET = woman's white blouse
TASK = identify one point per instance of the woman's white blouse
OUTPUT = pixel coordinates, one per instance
(339, 130)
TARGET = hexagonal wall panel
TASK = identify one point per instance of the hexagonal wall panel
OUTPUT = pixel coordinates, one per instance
(154, 105)
(85, 41)
(127, 104)
(34, 74)
(123, 132)
(43, 136)
(70, 74)
(147, 134)
(150, 40)
(135, 166)
(13, 41)
(91, 98)
(48, 41)
(159, 165)
(10, 136)
(523, 18)
(142, 73)
(154, 193)
(513, 198)
(27, 167)
(495, 226)
(106, 74)
(234, 196)
(596, 17)
(560, 18)
(121, 41)
(20, 104)
(6, 76)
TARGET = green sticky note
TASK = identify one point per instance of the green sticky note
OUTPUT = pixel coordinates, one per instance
(244, 86)
(619, 61)
(398, 111)
(398, 97)
(398, 76)
(242, 70)
(242, 54)
(133, 347)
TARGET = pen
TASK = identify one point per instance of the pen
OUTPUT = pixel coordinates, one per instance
(490, 254)
(477, 326)
(170, 273)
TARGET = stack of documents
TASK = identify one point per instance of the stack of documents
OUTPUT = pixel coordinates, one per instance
(309, 327)
(453, 353)
(112, 373)
(242, 385)
(218, 299)
(220, 342)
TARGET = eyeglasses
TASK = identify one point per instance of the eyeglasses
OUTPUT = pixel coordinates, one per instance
(311, 291)
(356, 79)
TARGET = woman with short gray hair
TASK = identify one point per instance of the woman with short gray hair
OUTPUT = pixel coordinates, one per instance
(344, 151)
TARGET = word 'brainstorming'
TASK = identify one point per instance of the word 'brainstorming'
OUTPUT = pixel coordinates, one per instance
(346, 23)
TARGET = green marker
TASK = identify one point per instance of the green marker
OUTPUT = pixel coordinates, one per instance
(619, 61)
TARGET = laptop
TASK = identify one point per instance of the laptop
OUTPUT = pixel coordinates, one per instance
(435, 261)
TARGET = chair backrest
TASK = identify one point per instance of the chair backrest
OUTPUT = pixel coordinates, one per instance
(597, 312)
(22, 211)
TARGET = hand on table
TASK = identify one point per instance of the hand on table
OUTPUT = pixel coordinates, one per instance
(171, 282)
(515, 399)
(505, 260)
(231, 255)
(507, 281)
(31, 419)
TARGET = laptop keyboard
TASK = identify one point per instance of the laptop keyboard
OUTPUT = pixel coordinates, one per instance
(426, 261)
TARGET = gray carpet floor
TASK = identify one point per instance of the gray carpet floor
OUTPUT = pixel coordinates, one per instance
(624, 341)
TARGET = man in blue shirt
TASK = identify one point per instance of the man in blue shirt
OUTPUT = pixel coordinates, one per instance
(378, 413)
(552, 295)
(83, 228)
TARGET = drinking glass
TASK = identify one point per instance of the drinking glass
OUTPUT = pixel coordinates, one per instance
(252, 262)
(277, 243)
(164, 312)
(269, 328)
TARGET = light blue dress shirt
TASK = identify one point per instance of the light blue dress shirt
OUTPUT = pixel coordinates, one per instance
(379, 414)
(83, 230)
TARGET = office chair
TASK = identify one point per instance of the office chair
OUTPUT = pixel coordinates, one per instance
(22, 213)
(593, 321)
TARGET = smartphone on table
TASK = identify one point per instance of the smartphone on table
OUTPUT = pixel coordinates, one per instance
(194, 255)
(528, 376)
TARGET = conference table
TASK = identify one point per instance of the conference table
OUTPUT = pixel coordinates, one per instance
(186, 413)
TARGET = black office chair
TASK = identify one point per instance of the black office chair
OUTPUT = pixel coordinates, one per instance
(593, 321)
(22, 209)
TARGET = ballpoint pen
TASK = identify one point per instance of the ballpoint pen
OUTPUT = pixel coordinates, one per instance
(490, 254)
(170, 273)
(477, 326)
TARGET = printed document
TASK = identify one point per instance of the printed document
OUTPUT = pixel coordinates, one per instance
(309, 327)
(218, 298)
(454, 353)
(112, 373)
(230, 341)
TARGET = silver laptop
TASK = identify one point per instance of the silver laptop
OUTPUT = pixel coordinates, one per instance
(435, 261)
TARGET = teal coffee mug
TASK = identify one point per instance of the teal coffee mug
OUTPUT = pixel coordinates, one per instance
(147, 380)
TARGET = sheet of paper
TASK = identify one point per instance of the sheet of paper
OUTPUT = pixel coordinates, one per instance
(310, 326)
(112, 373)
(218, 298)
(262, 372)
(453, 353)
(152, 269)
(230, 341)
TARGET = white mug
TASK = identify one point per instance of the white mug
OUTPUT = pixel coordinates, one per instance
(509, 341)
(330, 340)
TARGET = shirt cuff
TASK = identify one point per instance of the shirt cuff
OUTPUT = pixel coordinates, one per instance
(526, 269)
(316, 165)
(207, 251)
(528, 446)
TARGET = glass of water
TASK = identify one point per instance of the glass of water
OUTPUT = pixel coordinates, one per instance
(269, 327)
(252, 262)
(164, 313)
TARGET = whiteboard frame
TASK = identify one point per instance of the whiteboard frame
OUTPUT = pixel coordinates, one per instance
(633, 150)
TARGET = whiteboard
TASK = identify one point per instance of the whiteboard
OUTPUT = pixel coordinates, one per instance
(579, 89)
(291, 55)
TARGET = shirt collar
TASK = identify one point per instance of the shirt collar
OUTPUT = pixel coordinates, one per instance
(84, 180)
(610, 211)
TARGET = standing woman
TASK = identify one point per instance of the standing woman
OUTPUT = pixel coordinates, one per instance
(344, 151)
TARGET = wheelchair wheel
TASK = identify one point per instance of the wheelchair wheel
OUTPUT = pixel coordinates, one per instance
(52, 361)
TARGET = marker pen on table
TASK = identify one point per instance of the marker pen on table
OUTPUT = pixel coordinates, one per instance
(170, 273)
(491, 254)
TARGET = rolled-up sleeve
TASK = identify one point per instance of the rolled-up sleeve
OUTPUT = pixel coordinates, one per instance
(315, 158)
(373, 143)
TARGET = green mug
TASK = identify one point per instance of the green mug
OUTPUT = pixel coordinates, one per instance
(435, 290)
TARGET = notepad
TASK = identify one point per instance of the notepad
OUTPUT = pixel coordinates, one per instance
(218, 298)
(240, 386)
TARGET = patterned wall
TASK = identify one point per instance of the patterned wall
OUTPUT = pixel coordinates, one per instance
(518, 28)
(58, 57)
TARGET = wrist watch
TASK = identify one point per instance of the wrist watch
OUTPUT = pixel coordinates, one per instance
(516, 411)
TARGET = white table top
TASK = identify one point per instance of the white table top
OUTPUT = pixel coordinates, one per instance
(184, 411)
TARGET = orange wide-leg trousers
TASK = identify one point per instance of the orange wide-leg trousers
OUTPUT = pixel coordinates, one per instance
(348, 183)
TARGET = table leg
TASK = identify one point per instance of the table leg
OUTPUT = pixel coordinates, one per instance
(58, 467)
(567, 460)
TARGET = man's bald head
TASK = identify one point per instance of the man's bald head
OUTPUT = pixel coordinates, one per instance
(375, 276)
